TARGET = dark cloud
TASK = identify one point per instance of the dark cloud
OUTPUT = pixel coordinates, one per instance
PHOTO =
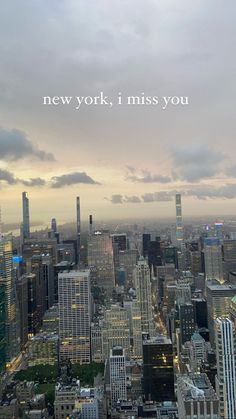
(14, 145)
(34, 182)
(116, 199)
(196, 162)
(72, 179)
(7, 177)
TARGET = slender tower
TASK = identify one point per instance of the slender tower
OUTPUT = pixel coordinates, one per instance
(78, 228)
(90, 225)
(179, 226)
(26, 218)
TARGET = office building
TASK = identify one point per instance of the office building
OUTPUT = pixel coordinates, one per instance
(229, 257)
(225, 356)
(22, 296)
(26, 217)
(7, 280)
(158, 370)
(74, 316)
(101, 262)
(115, 330)
(196, 397)
(218, 297)
(213, 259)
(143, 291)
(2, 328)
(186, 322)
(117, 369)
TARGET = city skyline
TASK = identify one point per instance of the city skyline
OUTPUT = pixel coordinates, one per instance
(124, 159)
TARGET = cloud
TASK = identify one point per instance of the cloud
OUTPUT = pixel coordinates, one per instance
(196, 162)
(7, 177)
(72, 179)
(116, 199)
(231, 171)
(145, 176)
(14, 145)
(132, 199)
(34, 182)
(158, 196)
(202, 192)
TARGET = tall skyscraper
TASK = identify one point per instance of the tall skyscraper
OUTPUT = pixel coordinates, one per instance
(158, 370)
(54, 225)
(100, 260)
(179, 225)
(226, 377)
(74, 316)
(117, 375)
(143, 290)
(12, 314)
(218, 303)
(26, 217)
(2, 328)
(213, 259)
(78, 228)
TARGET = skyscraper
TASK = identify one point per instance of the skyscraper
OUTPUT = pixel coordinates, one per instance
(213, 259)
(78, 228)
(143, 291)
(179, 226)
(218, 303)
(2, 328)
(26, 217)
(11, 315)
(115, 330)
(100, 260)
(74, 316)
(117, 374)
(226, 377)
(158, 370)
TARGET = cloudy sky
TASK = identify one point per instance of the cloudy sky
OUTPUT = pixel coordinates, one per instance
(121, 160)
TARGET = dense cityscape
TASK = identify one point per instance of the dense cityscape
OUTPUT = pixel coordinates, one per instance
(130, 322)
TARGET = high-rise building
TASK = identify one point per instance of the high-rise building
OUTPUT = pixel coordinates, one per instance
(74, 316)
(78, 227)
(218, 298)
(101, 262)
(213, 259)
(196, 397)
(26, 217)
(179, 225)
(229, 257)
(7, 279)
(117, 375)
(115, 330)
(226, 376)
(22, 296)
(134, 315)
(143, 291)
(54, 225)
(186, 321)
(158, 370)
(145, 242)
(2, 328)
